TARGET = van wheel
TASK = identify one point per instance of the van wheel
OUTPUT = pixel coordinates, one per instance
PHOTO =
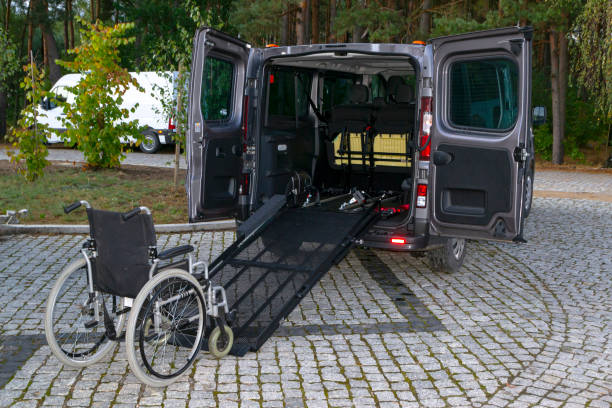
(150, 144)
(528, 193)
(449, 257)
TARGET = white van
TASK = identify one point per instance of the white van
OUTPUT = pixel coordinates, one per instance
(158, 127)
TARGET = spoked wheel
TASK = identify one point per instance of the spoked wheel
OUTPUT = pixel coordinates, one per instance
(165, 328)
(74, 320)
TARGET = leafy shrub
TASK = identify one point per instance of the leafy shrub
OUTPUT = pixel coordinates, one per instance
(29, 135)
(96, 121)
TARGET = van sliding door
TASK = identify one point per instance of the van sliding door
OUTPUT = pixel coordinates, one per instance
(214, 139)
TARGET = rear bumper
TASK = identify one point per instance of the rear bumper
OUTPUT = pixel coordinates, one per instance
(381, 238)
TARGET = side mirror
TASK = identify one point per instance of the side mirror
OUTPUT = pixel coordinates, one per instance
(539, 115)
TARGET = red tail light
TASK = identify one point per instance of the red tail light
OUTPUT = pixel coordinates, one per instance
(171, 125)
(400, 241)
(245, 121)
(425, 131)
(244, 181)
(421, 196)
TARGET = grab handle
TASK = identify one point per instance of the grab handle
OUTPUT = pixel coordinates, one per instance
(70, 208)
(126, 216)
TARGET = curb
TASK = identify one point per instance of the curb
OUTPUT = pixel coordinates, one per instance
(15, 229)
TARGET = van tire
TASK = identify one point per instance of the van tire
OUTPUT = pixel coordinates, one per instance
(528, 197)
(150, 144)
(449, 257)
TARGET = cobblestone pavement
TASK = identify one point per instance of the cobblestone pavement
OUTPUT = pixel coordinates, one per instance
(573, 181)
(161, 159)
(518, 325)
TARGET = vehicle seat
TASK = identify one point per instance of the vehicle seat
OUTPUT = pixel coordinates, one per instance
(397, 117)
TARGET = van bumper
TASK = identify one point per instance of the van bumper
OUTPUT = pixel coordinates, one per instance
(376, 238)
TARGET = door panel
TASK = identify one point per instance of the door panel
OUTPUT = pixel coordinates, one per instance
(214, 139)
(482, 97)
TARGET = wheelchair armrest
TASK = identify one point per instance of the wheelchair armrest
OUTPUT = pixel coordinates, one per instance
(172, 252)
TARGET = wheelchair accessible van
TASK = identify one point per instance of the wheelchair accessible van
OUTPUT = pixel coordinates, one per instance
(170, 306)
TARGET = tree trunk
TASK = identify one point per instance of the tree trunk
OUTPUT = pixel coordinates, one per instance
(563, 80)
(425, 20)
(332, 19)
(30, 29)
(285, 28)
(557, 148)
(55, 72)
(347, 34)
(70, 23)
(299, 23)
(51, 53)
(7, 16)
(105, 8)
(316, 39)
(92, 10)
(307, 30)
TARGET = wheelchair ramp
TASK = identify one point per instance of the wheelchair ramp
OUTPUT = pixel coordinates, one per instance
(266, 274)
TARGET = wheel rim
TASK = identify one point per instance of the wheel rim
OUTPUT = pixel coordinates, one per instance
(72, 309)
(165, 350)
(458, 244)
(148, 143)
(528, 192)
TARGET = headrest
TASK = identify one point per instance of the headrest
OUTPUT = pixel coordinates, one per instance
(393, 83)
(404, 94)
(359, 93)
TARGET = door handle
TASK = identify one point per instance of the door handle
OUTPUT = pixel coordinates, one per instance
(219, 153)
(441, 158)
(237, 150)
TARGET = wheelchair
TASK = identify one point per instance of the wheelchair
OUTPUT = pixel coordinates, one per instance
(169, 305)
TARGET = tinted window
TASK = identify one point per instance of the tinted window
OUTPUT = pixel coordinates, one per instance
(336, 91)
(483, 93)
(217, 89)
(288, 92)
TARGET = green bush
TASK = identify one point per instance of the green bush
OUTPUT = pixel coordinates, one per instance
(29, 135)
(96, 121)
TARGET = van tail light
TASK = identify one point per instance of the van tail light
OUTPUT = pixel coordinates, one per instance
(245, 121)
(171, 125)
(243, 189)
(399, 241)
(425, 131)
(421, 196)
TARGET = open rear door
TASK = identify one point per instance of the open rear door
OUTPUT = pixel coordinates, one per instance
(482, 85)
(214, 139)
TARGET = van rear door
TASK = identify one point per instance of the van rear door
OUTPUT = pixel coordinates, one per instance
(214, 138)
(482, 99)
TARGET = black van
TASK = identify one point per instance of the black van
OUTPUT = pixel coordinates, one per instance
(440, 133)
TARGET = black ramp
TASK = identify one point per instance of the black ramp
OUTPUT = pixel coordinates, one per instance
(267, 274)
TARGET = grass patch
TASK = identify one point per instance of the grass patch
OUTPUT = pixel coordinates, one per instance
(114, 190)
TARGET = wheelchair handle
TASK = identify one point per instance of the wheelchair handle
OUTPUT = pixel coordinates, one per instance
(70, 208)
(126, 216)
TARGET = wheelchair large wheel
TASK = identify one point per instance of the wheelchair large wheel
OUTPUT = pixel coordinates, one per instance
(165, 328)
(74, 320)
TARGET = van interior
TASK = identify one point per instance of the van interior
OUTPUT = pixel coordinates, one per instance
(346, 121)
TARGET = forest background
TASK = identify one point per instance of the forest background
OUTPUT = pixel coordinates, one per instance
(572, 46)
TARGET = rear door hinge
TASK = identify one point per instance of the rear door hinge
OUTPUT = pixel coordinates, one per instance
(520, 153)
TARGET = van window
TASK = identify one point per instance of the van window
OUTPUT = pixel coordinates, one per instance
(288, 93)
(217, 89)
(336, 91)
(483, 93)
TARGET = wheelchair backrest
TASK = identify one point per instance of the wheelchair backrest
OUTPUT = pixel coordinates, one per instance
(122, 262)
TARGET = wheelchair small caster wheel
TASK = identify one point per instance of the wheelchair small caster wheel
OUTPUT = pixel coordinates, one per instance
(218, 345)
